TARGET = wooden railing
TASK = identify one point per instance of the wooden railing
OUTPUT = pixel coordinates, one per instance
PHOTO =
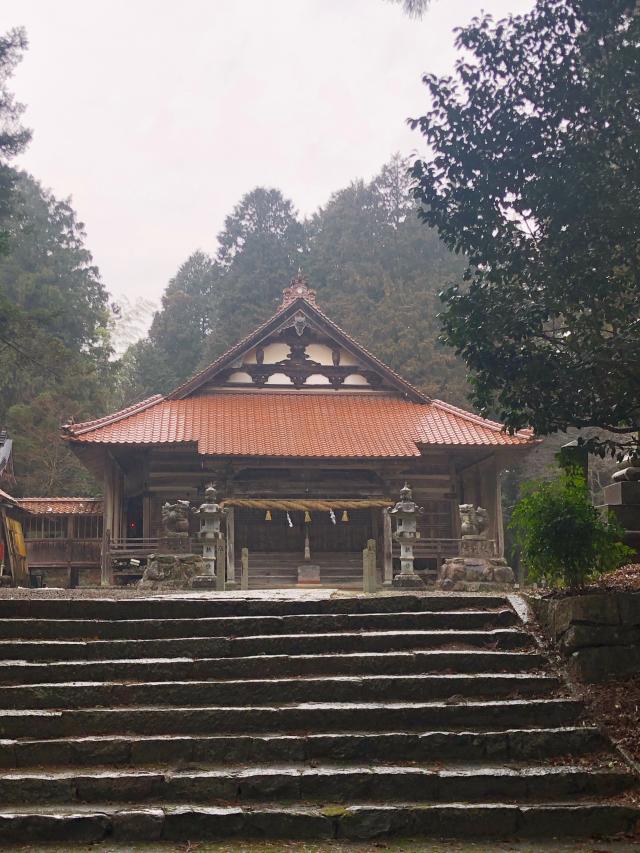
(440, 548)
(142, 547)
(63, 552)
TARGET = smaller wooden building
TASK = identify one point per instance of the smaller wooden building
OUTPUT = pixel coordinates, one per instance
(63, 539)
(50, 541)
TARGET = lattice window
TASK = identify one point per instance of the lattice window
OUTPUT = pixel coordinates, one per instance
(88, 527)
(435, 521)
(46, 527)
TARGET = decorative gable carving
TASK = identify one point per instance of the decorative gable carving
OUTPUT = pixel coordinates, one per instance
(311, 355)
(298, 348)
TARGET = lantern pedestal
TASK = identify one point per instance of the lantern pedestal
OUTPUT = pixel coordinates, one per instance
(404, 513)
(408, 580)
(210, 514)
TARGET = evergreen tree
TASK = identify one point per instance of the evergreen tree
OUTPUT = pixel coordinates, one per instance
(379, 273)
(179, 330)
(54, 338)
(13, 137)
(260, 249)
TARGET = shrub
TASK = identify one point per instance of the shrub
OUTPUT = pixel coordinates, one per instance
(562, 537)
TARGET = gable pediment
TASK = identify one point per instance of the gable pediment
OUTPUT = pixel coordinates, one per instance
(298, 355)
(299, 348)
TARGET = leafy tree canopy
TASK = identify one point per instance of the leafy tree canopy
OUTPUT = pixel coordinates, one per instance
(535, 177)
(13, 137)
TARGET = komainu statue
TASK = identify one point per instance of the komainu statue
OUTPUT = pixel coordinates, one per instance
(175, 518)
(474, 521)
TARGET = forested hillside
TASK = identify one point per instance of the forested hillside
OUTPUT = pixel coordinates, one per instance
(376, 268)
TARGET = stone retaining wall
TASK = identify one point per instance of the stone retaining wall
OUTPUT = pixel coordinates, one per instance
(599, 633)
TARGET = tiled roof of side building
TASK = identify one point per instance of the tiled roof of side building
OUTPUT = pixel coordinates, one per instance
(299, 424)
(61, 506)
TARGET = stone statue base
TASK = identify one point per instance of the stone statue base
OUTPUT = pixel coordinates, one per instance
(173, 542)
(408, 581)
(171, 571)
(475, 574)
(204, 582)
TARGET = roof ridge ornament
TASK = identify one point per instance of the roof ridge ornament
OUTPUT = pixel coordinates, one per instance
(298, 289)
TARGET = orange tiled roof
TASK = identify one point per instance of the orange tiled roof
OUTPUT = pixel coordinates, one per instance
(61, 506)
(294, 424)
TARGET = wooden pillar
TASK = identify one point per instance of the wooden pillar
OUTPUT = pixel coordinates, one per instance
(456, 490)
(387, 539)
(231, 549)
(71, 535)
(492, 502)
(146, 516)
(499, 518)
(106, 570)
(106, 573)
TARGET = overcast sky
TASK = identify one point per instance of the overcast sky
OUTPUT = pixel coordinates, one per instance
(156, 117)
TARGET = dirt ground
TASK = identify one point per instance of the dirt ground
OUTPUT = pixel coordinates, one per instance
(424, 846)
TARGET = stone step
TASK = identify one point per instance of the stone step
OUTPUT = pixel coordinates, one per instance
(241, 626)
(390, 746)
(369, 641)
(292, 718)
(87, 824)
(271, 666)
(193, 606)
(323, 783)
(364, 688)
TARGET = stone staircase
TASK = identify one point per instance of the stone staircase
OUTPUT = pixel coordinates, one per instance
(185, 719)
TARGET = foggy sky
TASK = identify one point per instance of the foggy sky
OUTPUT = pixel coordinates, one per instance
(156, 117)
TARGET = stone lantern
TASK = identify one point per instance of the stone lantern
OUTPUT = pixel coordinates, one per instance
(405, 514)
(211, 515)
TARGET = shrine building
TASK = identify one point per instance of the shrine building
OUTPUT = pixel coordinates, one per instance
(308, 438)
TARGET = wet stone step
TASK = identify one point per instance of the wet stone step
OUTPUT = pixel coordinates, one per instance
(386, 747)
(374, 688)
(372, 641)
(184, 607)
(26, 629)
(273, 666)
(303, 717)
(340, 784)
(355, 823)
